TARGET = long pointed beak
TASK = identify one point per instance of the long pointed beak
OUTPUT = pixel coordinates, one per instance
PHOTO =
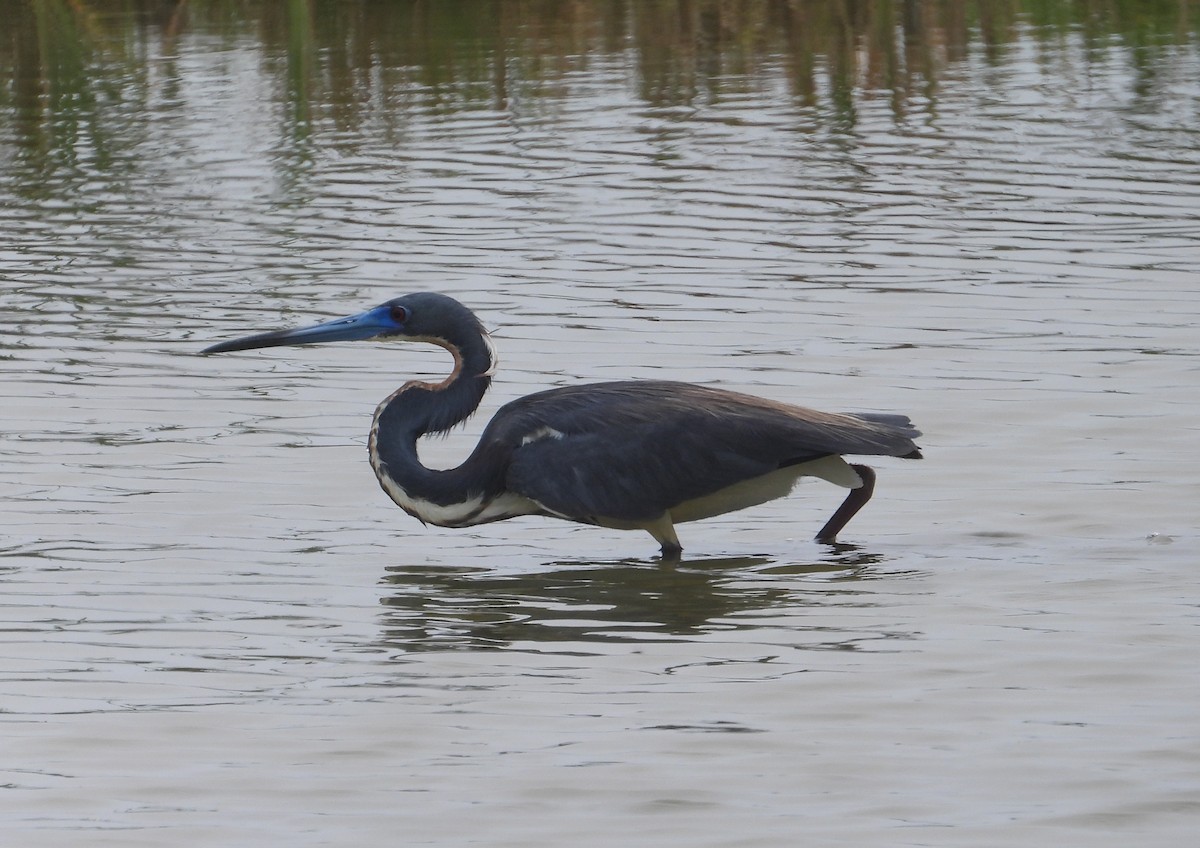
(365, 325)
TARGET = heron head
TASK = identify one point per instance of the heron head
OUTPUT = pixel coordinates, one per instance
(425, 315)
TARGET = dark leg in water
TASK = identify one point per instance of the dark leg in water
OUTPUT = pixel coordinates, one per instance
(850, 506)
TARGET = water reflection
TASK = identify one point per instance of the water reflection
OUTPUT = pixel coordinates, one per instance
(569, 604)
(82, 81)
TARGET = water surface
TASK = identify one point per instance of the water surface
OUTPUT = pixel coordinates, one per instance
(215, 627)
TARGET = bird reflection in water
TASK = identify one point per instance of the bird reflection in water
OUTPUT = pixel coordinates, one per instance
(570, 604)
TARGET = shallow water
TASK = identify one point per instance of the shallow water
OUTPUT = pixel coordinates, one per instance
(216, 627)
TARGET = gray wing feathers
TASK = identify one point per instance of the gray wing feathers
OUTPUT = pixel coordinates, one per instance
(585, 477)
(633, 449)
(899, 423)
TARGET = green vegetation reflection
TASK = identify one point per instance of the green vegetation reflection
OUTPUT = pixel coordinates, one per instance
(484, 52)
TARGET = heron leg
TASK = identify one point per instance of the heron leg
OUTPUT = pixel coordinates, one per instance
(663, 531)
(854, 501)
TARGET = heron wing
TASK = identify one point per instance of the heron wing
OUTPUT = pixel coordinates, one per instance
(631, 450)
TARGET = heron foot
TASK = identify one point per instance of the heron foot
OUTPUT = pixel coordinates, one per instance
(854, 501)
(671, 553)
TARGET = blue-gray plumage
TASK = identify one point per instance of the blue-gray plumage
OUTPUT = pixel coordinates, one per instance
(630, 454)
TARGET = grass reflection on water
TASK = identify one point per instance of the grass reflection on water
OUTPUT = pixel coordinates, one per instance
(68, 58)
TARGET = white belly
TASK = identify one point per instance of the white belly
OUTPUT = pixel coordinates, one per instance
(759, 490)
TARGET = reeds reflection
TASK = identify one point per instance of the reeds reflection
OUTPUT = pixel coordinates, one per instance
(97, 94)
(486, 52)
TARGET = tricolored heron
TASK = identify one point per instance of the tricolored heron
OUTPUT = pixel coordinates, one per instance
(635, 454)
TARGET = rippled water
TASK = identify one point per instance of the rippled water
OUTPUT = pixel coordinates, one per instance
(215, 627)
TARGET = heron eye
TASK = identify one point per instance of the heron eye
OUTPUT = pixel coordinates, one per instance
(399, 314)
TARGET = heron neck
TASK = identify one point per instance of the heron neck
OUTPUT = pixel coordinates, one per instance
(418, 408)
